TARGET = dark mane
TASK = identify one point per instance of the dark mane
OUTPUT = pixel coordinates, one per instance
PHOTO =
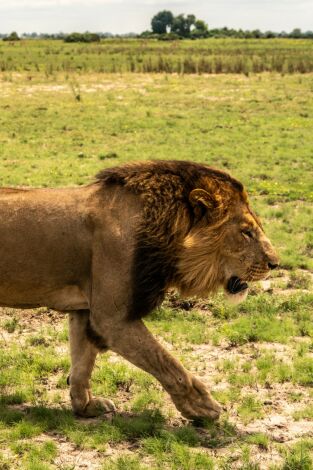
(189, 172)
(164, 188)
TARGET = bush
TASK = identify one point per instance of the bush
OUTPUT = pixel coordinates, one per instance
(168, 37)
(12, 37)
(82, 37)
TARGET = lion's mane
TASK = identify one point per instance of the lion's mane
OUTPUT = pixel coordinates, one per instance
(168, 215)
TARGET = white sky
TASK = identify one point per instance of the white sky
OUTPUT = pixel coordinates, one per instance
(122, 16)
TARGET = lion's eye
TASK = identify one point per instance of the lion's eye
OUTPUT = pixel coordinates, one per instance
(247, 233)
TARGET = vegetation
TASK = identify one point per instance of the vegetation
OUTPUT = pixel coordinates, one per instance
(59, 126)
(162, 21)
(182, 27)
(167, 26)
(12, 37)
(82, 37)
(204, 56)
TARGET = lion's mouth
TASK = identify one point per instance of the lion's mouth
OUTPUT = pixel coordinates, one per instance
(236, 285)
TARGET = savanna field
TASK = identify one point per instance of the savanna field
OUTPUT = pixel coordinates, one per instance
(246, 106)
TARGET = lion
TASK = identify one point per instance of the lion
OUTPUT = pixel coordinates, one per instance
(106, 253)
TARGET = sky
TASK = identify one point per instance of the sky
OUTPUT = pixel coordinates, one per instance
(123, 16)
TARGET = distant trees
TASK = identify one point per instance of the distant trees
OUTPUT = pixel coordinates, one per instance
(296, 33)
(162, 21)
(180, 26)
(82, 37)
(166, 26)
(12, 37)
(201, 29)
(257, 34)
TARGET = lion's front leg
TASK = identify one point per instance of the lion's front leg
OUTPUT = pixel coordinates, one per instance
(134, 342)
(83, 356)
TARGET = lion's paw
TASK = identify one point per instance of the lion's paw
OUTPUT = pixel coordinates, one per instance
(97, 407)
(198, 403)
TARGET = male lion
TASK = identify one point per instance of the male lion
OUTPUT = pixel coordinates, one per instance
(106, 253)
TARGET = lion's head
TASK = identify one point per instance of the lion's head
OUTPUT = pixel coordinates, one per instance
(226, 245)
(197, 232)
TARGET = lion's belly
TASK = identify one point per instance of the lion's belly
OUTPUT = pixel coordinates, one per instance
(44, 250)
(64, 299)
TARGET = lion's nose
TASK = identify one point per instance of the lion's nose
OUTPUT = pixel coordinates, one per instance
(272, 265)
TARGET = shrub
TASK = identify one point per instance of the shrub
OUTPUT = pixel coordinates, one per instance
(82, 37)
(12, 37)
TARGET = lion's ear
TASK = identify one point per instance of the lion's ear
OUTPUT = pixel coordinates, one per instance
(201, 197)
(202, 202)
(213, 203)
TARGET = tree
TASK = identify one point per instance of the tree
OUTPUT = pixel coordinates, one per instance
(200, 30)
(182, 25)
(12, 37)
(296, 33)
(270, 35)
(308, 34)
(165, 26)
(190, 21)
(162, 21)
(256, 33)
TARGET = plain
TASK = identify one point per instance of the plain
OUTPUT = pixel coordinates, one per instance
(59, 127)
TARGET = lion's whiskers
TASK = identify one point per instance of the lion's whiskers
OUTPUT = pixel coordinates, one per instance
(256, 273)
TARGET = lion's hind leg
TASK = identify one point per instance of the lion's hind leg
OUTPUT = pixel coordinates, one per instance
(83, 356)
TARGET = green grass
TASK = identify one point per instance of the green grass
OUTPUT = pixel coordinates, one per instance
(261, 317)
(35, 456)
(298, 457)
(259, 439)
(250, 409)
(305, 413)
(150, 56)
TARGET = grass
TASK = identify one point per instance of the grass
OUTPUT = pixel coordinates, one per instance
(250, 409)
(298, 456)
(305, 413)
(60, 128)
(151, 56)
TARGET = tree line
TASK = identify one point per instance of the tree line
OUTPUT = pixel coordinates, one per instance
(164, 25)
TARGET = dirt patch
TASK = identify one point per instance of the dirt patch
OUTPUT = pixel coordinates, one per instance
(16, 84)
